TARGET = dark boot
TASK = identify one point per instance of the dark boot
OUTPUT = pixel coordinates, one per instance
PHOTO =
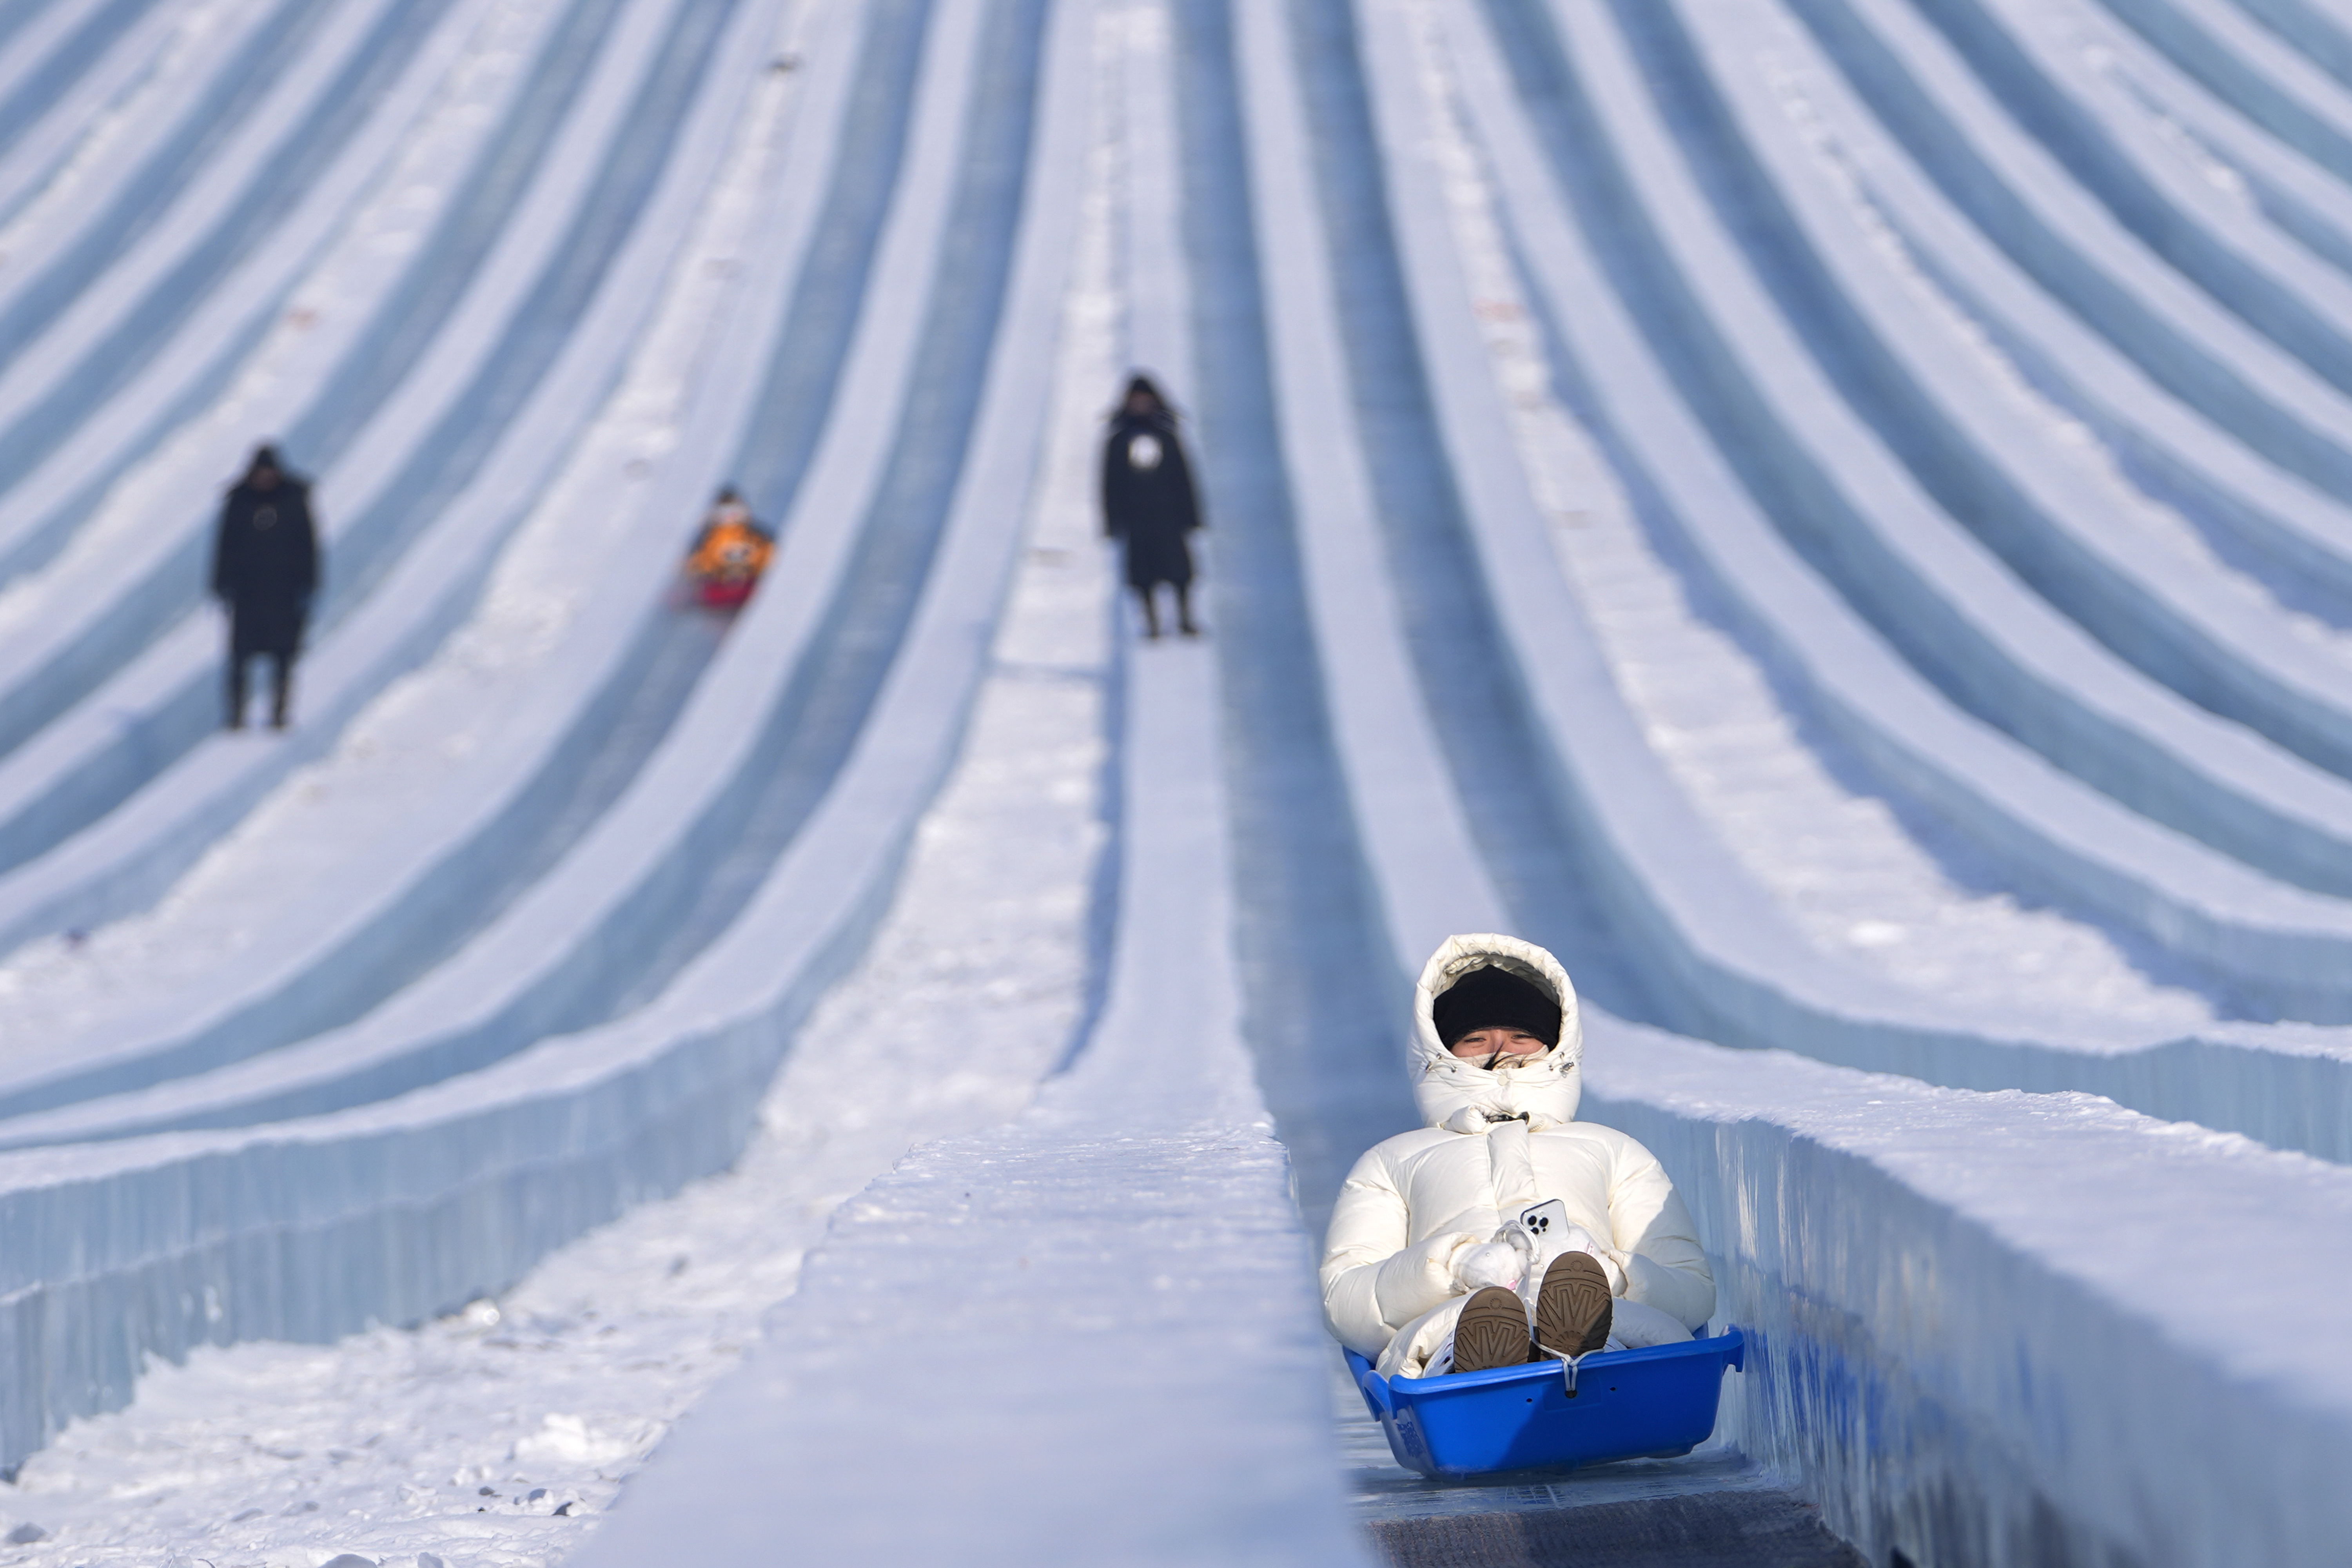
(1184, 610)
(235, 692)
(1150, 610)
(1492, 1331)
(281, 689)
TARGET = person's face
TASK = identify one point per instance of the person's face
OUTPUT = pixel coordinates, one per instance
(1142, 402)
(265, 478)
(1489, 1046)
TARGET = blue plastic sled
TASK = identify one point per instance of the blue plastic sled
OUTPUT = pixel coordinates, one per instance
(1626, 1404)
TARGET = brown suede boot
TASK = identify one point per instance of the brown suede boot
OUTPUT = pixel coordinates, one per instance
(1573, 1309)
(1492, 1331)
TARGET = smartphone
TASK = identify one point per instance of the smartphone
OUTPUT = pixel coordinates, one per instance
(1538, 1220)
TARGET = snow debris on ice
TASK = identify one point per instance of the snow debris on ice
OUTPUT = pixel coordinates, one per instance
(427, 1445)
(2073, 440)
(423, 729)
(1037, 1289)
(1862, 878)
(323, 320)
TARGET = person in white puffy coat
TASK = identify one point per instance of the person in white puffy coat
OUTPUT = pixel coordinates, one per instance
(1430, 1220)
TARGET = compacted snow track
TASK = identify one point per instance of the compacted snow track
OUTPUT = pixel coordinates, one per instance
(1827, 513)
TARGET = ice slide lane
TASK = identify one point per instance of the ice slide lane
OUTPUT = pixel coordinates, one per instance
(60, 78)
(2212, 910)
(1150, 1158)
(86, 632)
(416, 165)
(2280, 288)
(602, 700)
(2290, 174)
(1427, 873)
(459, 466)
(2080, 544)
(346, 104)
(2267, 520)
(2275, 535)
(1827, 1153)
(131, 854)
(254, 208)
(768, 729)
(2278, 65)
(125, 178)
(2011, 188)
(1149, 1161)
(1859, 517)
(308, 1229)
(1427, 876)
(1720, 952)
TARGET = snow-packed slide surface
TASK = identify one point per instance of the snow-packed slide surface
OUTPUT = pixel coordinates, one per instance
(1833, 516)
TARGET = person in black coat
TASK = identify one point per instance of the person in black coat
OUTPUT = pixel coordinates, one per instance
(1147, 501)
(265, 571)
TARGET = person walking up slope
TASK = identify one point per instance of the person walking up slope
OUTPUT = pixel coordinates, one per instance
(1504, 1230)
(1147, 501)
(265, 571)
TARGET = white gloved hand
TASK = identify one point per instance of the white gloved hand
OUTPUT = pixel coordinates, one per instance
(1574, 1238)
(1488, 1263)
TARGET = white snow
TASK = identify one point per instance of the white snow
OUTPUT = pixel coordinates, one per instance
(1041, 1292)
(426, 728)
(564, 1383)
(970, 993)
(1981, 1319)
(202, 38)
(1792, 806)
(324, 311)
(1985, 1295)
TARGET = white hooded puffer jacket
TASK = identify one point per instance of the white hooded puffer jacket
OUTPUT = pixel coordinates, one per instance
(1495, 1142)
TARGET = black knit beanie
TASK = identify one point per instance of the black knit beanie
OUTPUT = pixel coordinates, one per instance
(1492, 999)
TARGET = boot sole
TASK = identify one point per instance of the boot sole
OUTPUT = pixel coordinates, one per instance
(1574, 1308)
(1492, 1331)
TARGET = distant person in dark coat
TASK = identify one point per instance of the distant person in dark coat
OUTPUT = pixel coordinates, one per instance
(265, 571)
(1147, 501)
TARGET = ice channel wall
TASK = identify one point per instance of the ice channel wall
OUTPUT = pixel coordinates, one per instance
(571, 947)
(1993, 467)
(1977, 1334)
(2126, 743)
(1145, 1179)
(2181, 338)
(144, 255)
(1719, 949)
(393, 1212)
(340, 949)
(657, 123)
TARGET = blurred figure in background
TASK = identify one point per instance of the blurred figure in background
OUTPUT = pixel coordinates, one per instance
(729, 553)
(265, 571)
(1147, 501)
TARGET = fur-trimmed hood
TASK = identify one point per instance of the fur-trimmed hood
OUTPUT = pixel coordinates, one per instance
(1462, 1096)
